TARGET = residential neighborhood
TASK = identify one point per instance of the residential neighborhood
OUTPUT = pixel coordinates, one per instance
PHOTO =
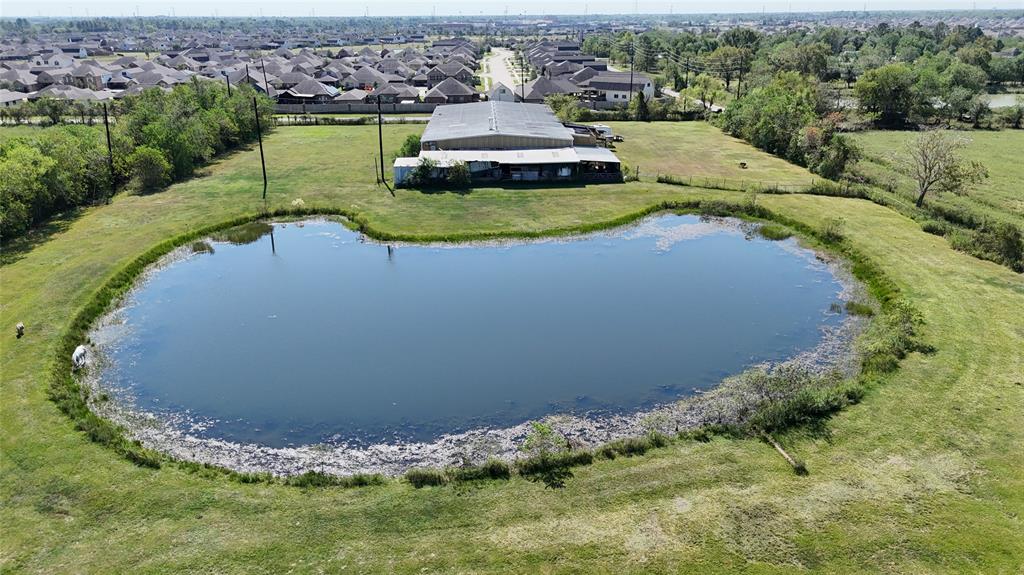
(445, 71)
(301, 76)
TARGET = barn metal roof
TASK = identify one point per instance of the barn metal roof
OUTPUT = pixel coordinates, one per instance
(491, 118)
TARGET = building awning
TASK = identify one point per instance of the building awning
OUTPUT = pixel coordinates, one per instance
(587, 154)
(445, 158)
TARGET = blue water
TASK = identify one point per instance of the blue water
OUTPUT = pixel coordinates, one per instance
(327, 337)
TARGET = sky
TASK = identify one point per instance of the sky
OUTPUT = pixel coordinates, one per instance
(80, 8)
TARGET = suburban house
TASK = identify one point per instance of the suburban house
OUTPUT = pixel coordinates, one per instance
(308, 91)
(501, 93)
(451, 91)
(615, 87)
(509, 141)
(451, 69)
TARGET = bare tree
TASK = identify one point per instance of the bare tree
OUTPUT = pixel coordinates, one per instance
(937, 166)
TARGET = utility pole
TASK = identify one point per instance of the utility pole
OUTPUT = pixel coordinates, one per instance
(522, 78)
(110, 150)
(259, 135)
(266, 86)
(633, 51)
(380, 139)
(227, 80)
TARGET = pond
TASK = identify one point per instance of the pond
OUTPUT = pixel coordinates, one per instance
(314, 334)
(996, 101)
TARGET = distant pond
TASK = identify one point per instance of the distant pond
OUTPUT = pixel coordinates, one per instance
(314, 334)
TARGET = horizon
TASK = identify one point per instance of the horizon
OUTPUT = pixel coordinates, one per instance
(464, 8)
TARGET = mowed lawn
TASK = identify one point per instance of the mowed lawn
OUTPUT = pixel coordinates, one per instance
(1000, 196)
(700, 150)
(926, 475)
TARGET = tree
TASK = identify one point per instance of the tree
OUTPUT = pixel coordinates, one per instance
(53, 108)
(937, 166)
(705, 89)
(149, 168)
(599, 46)
(459, 176)
(646, 56)
(638, 108)
(724, 62)
(565, 106)
(966, 76)
(770, 117)
(410, 147)
(887, 93)
(24, 198)
(1013, 116)
(423, 173)
(740, 37)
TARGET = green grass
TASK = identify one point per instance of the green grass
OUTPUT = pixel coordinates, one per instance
(701, 150)
(924, 475)
(1001, 196)
(10, 131)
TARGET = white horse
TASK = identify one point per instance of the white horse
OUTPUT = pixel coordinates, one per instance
(78, 358)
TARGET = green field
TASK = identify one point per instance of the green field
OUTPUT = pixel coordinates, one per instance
(923, 476)
(1000, 196)
(701, 150)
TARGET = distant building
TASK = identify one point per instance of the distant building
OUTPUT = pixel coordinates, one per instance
(501, 93)
(509, 141)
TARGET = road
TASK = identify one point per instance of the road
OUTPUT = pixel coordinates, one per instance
(498, 68)
(673, 94)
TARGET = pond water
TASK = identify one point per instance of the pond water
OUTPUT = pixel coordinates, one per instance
(1003, 100)
(314, 334)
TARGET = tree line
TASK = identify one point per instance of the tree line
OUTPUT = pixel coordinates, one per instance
(156, 138)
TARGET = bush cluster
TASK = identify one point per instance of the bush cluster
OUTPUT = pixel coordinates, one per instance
(493, 469)
(157, 137)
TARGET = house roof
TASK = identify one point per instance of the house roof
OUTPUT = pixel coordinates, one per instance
(355, 95)
(310, 88)
(542, 87)
(495, 118)
(616, 81)
(450, 87)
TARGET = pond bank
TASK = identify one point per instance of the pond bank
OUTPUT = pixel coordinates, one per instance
(722, 404)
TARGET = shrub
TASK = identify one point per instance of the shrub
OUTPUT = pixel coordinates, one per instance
(1003, 242)
(1000, 242)
(492, 469)
(831, 230)
(835, 189)
(459, 177)
(320, 479)
(149, 169)
(424, 477)
(410, 147)
(422, 175)
(935, 227)
(858, 308)
(632, 446)
(543, 439)
(774, 232)
(553, 469)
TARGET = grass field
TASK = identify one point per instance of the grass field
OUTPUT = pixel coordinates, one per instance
(701, 150)
(924, 476)
(1000, 196)
(23, 130)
